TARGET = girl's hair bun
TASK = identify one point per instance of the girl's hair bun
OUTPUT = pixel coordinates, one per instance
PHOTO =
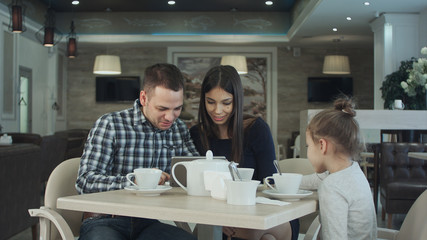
(345, 104)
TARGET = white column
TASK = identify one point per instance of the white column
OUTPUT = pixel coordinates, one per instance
(396, 38)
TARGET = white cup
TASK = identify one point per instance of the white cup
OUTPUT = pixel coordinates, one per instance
(245, 173)
(398, 104)
(241, 192)
(145, 178)
(287, 183)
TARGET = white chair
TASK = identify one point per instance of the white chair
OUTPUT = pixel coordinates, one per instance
(364, 164)
(296, 147)
(296, 165)
(414, 226)
(313, 230)
(61, 183)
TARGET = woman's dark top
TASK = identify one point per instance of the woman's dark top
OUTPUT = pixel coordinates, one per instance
(258, 148)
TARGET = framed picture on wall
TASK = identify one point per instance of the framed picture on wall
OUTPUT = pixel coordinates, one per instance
(259, 84)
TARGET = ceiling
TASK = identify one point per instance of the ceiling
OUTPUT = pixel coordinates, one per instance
(162, 5)
(312, 28)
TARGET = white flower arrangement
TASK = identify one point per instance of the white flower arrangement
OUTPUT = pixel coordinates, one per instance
(417, 79)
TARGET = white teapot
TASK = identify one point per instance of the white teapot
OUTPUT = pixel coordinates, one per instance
(195, 170)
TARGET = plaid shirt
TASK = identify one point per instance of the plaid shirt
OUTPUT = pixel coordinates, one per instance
(122, 141)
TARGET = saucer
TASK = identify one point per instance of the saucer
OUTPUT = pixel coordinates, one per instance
(289, 197)
(148, 192)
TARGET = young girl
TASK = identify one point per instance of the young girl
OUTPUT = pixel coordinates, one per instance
(222, 128)
(345, 199)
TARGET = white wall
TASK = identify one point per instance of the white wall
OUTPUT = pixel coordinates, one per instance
(34, 56)
(42, 61)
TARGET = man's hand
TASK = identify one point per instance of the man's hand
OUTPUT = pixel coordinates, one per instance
(164, 178)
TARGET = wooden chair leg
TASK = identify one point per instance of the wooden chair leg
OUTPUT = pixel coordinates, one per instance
(34, 232)
(389, 220)
(382, 213)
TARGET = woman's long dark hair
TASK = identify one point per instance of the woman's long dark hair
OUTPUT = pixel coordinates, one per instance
(227, 78)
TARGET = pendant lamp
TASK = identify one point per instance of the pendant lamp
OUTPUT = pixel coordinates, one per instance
(72, 42)
(107, 65)
(236, 61)
(336, 64)
(17, 13)
(49, 35)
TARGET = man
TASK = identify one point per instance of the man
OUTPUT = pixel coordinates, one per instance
(147, 135)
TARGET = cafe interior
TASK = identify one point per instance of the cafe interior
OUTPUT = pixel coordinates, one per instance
(62, 61)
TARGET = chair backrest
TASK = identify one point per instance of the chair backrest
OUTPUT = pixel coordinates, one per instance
(296, 165)
(53, 153)
(61, 183)
(415, 224)
(313, 230)
(396, 165)
(297, 146)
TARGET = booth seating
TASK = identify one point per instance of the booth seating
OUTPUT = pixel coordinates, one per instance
(20, 184)
(402, 179)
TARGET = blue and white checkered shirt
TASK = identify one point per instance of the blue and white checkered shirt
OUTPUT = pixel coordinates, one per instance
(124, 140)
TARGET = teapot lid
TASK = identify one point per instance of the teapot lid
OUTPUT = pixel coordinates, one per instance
(209, 155)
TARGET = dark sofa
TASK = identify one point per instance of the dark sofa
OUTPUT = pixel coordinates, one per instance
(20, 184)
(76, 139)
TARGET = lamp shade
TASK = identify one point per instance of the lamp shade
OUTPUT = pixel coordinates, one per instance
(336, 64)
(238, 62)
(16, 19)
(72, 48)
(107, 65)
(17, 12)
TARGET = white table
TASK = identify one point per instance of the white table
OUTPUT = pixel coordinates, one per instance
(176, 205)
(418, 155)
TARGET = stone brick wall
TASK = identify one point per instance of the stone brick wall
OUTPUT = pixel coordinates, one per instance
(82, 110)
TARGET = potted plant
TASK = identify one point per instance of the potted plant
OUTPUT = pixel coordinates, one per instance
(415, 86)
(391, 88)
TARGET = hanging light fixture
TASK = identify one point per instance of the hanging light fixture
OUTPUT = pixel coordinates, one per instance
(72, 42)
(49, 35)
(17, 13)
(335, 63)
(236, 61)
(107, 64)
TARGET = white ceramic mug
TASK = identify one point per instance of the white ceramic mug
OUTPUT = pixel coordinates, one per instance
(145, 178)
(241, 192)
(398, 104)
(287, 183)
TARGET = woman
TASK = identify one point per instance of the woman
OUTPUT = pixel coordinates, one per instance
(246, 140)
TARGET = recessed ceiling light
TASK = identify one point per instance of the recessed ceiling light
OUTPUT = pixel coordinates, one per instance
(348, 18)
(269, 3)
(334, 29)
(366, 3)
(171, 2)
(75, 2)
